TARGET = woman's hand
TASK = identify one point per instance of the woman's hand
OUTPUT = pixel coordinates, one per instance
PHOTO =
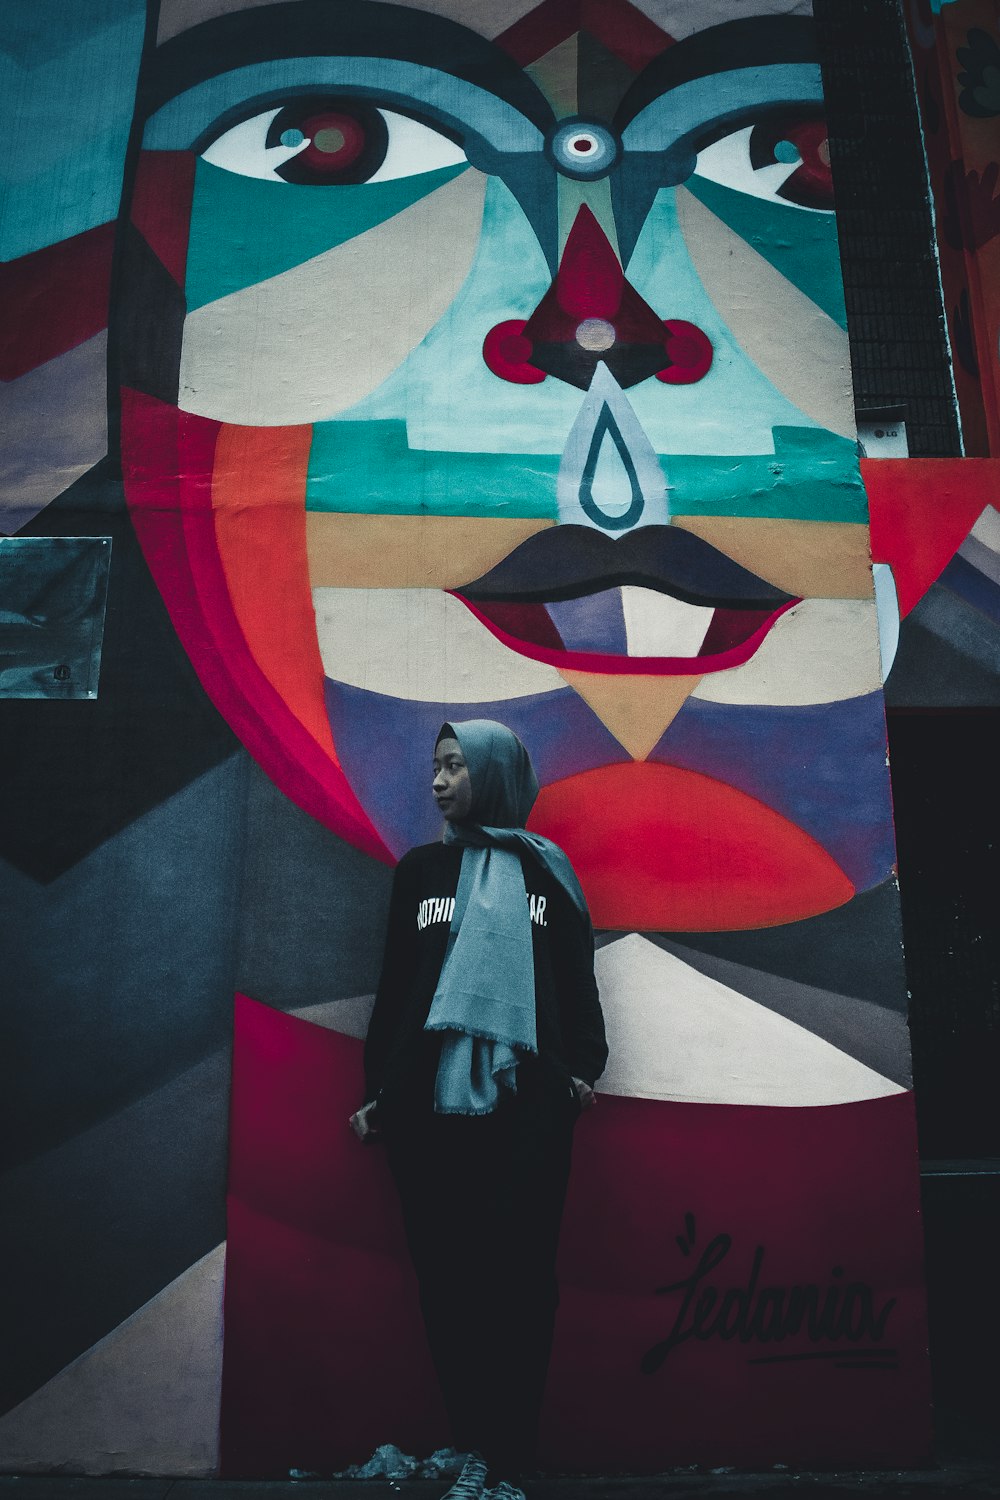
(364, 1122)
(584, 1093)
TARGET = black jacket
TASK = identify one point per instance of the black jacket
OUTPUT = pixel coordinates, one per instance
(399, 1054)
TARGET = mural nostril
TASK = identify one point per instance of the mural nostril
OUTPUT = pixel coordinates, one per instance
(508, 352)
(690, 352)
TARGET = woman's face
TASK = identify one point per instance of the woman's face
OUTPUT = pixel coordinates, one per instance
(482, 368)
(452, 786)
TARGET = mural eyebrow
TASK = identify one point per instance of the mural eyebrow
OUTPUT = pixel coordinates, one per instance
(756, 41)
(359, 28)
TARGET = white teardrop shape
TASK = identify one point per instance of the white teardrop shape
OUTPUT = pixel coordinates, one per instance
(610, 485)
(610, 477)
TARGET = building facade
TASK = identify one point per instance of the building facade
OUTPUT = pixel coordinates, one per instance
(374, 365)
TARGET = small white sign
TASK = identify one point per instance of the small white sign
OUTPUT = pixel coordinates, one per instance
(882, 434)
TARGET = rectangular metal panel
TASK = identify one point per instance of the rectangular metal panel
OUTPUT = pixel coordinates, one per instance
(53, 594)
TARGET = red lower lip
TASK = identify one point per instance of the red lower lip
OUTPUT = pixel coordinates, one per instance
(661, 849)
(645, 666)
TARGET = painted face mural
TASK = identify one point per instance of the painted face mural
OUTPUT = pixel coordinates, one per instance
(489, 360)
(505, 374)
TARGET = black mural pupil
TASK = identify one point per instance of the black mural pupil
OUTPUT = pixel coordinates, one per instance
(344, 141)
(582, 145)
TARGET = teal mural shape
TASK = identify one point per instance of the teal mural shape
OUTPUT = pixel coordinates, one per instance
(800, 243)
(67, 87)
(811, 476)
(245, 230)
(349, 462)
(391, 82)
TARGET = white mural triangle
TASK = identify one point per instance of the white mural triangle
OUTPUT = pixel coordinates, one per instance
(143, 1400)
(676, 1034)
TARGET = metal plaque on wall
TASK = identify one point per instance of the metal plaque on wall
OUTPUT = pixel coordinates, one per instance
(53, 593)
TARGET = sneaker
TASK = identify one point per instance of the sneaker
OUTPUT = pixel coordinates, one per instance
(471, 1483)
(504, 1491)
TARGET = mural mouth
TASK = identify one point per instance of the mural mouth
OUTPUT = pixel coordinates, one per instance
(659, 601)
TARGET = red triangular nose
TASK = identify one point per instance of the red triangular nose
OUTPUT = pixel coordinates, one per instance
(590, 280)
(591, 312)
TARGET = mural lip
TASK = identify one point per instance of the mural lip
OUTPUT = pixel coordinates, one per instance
(649, 840)
(568, 561)
(645, 666)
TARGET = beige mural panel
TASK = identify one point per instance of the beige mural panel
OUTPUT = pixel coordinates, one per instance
(433, 552)
(422, 645)
(804, 353)
(821, 651)
(814, 559)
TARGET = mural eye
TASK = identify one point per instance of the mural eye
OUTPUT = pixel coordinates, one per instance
(784, 158)
(323, 141)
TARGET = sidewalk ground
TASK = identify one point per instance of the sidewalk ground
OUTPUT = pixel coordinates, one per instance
(976, 1477)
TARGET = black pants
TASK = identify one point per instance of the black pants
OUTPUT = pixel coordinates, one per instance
(482, 1200)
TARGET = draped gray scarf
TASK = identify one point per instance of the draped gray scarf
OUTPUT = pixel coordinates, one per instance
(485, 998)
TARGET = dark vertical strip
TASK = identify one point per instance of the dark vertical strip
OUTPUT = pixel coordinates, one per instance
(895, 316)
(947, 810)
(128, 179)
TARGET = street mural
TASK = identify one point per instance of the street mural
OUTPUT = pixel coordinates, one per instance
(458, 361)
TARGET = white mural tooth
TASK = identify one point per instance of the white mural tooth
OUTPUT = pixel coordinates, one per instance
(610, 476)
(658, 625)
(420, 644)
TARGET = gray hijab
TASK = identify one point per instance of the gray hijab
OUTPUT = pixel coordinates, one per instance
(485, 998)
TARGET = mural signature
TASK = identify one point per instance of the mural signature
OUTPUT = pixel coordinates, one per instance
(754, 1314)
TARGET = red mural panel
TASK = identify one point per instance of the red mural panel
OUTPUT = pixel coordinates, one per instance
(748, 1290)
(54, 299)
(176, 527)
(161, 206)
(675, 850)
(921, 511)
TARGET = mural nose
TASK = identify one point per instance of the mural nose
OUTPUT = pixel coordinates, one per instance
(591, 314)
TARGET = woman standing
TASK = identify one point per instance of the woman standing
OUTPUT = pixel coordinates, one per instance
(484, 1044)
